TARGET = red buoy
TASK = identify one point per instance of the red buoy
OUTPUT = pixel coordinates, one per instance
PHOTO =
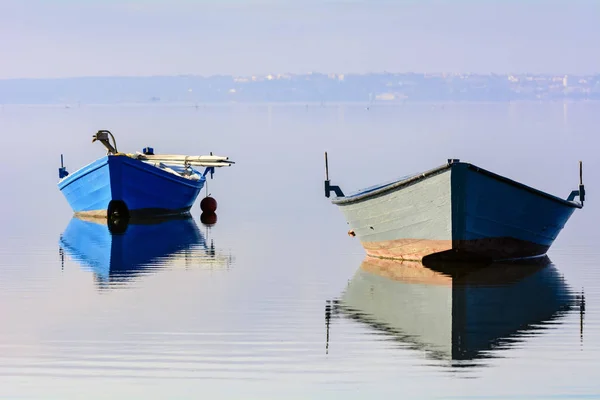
(208, 204)
(208, 218)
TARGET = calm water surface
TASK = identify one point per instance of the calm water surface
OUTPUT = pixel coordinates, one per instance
(275, 300)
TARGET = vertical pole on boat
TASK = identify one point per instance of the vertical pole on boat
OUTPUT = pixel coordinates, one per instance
(326, 176)
(328, 186)
(62, 171)
(581, 187)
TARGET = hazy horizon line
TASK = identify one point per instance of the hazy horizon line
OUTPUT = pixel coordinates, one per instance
(264, 74)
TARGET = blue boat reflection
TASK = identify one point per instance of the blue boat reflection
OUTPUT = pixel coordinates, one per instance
(118, 251)
(459, 312)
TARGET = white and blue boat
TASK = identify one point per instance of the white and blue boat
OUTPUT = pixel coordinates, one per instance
(455, 211)
(139, 185)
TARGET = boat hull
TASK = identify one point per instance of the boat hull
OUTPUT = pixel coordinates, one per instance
(458, 211)
(145, 190)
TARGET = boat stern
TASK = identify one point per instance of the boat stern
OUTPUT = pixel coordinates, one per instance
(496, 218)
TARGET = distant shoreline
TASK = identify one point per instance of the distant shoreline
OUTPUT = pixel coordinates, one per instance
(314, 88)
(311, 105)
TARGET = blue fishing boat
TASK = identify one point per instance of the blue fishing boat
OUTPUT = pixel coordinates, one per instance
(457, 312)
(136, 185)
(115, 250)
(458, 211)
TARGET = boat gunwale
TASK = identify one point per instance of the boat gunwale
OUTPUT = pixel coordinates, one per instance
(391, 187)
(341, 201)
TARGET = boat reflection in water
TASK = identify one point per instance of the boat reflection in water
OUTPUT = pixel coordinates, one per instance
(116, 251)
(459, 312)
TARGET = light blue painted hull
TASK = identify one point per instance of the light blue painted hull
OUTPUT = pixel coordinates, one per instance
(141, 247)
(145, 189)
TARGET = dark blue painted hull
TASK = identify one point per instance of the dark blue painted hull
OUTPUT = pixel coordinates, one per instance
(141, 246)
(500, 219)
(145, 189)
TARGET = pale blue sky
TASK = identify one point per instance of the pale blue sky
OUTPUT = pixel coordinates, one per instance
(91, 38)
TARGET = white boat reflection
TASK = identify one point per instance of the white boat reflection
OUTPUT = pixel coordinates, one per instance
(456, 312)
